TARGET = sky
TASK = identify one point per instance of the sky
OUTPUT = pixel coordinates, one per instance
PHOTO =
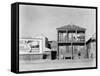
(34, 20)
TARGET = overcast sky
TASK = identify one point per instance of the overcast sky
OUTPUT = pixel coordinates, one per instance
(35, 20)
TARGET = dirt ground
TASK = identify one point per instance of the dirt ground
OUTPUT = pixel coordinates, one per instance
(55, 64)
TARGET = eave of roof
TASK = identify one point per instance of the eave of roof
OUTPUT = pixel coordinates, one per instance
(71, 27)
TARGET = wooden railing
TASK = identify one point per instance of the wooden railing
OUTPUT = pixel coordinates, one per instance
(69, 41)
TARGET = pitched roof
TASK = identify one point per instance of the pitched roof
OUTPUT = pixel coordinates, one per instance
(91, 40)
(71, 27)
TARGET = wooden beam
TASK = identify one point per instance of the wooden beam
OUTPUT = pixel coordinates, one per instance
(57, 44)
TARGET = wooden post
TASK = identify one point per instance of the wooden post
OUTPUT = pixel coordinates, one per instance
(58, 35)
(76, 35)
(67, 41)
(86, 47)
(72, 50)
(66, 35)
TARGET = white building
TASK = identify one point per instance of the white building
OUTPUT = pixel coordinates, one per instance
(45, 42)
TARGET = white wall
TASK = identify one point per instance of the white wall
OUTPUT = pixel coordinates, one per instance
(25, 48)
(5, 42)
